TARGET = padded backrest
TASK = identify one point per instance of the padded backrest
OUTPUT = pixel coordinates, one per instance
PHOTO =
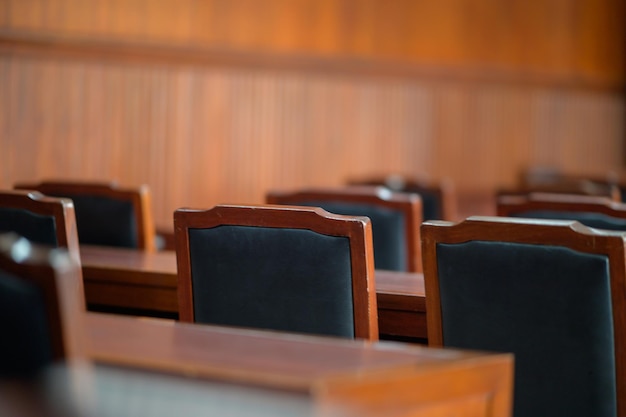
(284, 268)
(597, 220)
(592, 211)
(432, 204)
(551, 292)
(41, 307)
(549, 305)
(41, 219)
(438, 198)
(105, 221)
(35, 227)
(106, 214)
(395, 219)
(281, 279)
(26, 346)
(388, 229)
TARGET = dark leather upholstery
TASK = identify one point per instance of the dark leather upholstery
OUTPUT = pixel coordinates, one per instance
(32, 226)
(387, 230)
(431, 203)
(282, 279)
(105, 221)
(549, 305)
(597, 220)
(25, 348)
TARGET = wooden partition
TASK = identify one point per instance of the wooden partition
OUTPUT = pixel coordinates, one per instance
(218, 101)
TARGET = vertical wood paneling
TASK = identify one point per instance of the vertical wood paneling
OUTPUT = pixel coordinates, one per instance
(201, 135)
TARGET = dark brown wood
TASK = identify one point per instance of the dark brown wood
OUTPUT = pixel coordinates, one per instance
(444, 190)
(138, 196)
(567, 234)
(568, 186)
(509, 205)
(408, 204)
(133, 279)
(57, 274)
(374, 378)
(401, 305)
(357, 229)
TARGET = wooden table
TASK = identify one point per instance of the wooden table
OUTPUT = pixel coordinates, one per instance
(157, 368)
(357, 377)
(132, 279)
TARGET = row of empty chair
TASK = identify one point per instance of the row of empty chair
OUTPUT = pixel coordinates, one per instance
(549, 291)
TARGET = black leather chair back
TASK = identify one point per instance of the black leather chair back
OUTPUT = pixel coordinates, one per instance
(34, 227)
(105, 221)
(549, 305)
(26, 347)
(388, 230)
(281, 279)
(596, 220)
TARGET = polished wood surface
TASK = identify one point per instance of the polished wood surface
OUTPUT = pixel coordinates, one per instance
(134, 279)
(374, 378)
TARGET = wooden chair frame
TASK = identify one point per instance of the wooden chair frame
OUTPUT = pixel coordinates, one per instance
(567, 234)
(513, 205)
(356, 229)
(444, 190)
(62, 209)
(408, 204)
(139, 197)
(59, 277)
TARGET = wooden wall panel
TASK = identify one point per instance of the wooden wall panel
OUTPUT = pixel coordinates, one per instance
(216, 101)
(576, 39)
(203, 135)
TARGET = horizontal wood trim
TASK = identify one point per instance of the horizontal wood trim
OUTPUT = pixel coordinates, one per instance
(39, 44)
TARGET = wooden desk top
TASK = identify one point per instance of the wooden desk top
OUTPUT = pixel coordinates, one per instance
(270, 358)
(153, 367)
(364, 374)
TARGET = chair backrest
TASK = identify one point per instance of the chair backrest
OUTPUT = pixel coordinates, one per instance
(554, 180)
(295, 269)
(44, 220)
(597, 212)
(105, 213)
(551, 292)
(41, 307)
(439, 200)
(573, 186)
(395, 217)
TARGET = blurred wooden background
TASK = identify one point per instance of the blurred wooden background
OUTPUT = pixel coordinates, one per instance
(216, 101)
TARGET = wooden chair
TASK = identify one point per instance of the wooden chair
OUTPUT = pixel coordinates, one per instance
(551, 292)
(294, 269)
(438, 198)
(597, 212)
(551, 179)
(106, 214)
(41, 307)
(395, 219)
(44, 220)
